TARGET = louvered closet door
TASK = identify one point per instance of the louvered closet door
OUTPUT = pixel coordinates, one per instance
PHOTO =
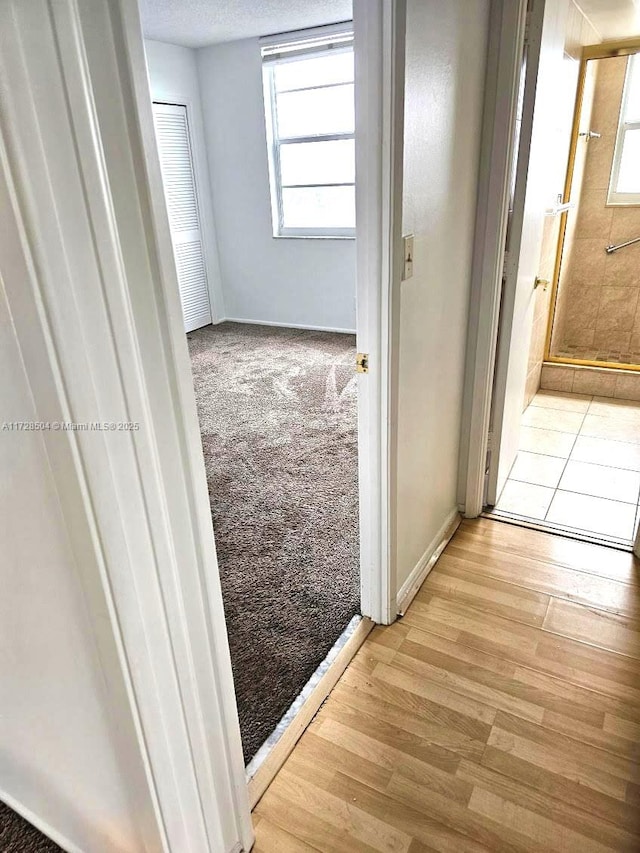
(176, 161)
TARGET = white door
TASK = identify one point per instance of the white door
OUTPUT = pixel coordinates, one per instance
(178, 177)
(532, 194)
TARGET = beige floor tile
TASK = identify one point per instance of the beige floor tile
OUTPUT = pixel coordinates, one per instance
(611, 428)
(595, 515)
(617, 454)
(562, 400)
(546, 441)
(601, 481)
(623, 410)
(537, 469)
(557, 419)
(525, 499)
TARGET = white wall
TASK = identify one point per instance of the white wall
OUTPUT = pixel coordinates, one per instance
(446, 47)
(58, 746)
(173, 78)
(303, 282)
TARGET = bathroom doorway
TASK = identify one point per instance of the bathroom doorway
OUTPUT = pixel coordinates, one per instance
(577, 465)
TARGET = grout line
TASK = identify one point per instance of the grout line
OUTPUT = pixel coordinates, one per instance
(597, 497)
(582, 462)
(553, 496)
(568, 459)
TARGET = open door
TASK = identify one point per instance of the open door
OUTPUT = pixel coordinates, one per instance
(543, 52)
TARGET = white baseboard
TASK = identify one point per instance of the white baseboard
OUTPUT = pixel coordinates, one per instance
(424, 565)
(288, 325)
(39, 824)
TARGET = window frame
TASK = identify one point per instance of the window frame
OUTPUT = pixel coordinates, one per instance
(621, 199)
(276, 142)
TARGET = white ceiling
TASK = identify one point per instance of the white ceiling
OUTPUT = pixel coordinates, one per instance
(613, 19)
(196, 23)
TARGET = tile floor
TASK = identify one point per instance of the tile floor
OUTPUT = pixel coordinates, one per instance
(578, 466)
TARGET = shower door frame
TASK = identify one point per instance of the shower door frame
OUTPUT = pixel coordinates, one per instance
(621, 47)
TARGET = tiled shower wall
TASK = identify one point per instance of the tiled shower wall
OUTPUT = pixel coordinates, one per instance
(598, 306)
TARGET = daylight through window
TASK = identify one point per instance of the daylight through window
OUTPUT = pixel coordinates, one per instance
(625, 175)
(309, 104)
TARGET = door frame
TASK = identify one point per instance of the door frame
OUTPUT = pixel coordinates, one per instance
(379, 38)
(505, 51)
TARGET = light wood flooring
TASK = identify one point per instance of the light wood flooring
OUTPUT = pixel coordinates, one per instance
(502, 712)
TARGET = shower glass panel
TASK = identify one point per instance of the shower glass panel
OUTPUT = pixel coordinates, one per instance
(596, 305)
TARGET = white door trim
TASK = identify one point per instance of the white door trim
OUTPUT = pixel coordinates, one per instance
(80, 154)
(379, 30)
(506, 41)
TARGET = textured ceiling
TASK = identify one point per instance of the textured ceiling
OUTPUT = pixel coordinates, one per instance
(613, 19)
(196, 23)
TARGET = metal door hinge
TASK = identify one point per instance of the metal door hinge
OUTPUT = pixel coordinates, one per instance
(362, 362)
(505, 264)
(490, 441)
(527, 26)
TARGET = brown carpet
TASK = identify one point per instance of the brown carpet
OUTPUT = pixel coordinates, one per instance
(277, 411)
(19, 836)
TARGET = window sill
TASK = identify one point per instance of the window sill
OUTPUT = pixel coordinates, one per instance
(312, 237)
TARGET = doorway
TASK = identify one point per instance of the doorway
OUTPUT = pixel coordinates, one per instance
(562, 439)
(267, 281)
(577, 463)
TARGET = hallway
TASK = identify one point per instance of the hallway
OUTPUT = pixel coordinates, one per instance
(501, 713)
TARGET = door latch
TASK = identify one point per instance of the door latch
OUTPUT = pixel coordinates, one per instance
(362, 362)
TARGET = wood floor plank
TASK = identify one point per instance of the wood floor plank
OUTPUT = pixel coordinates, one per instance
(544, 803)
(436, 772)
(501, 713)
(270, 837)
(345, 815)
(428, 721)
(623, 728)
(561, 787)
(468, 686)
(569, 750)
(573, 584)
(432, 826)
(492, 595)
(454, 701)
(606, 630)
(573, 661)
(546, 693)
(456, 817)
(546, 549)
(545, 833)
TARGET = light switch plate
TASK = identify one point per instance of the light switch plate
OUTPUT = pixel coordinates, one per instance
(407, 241)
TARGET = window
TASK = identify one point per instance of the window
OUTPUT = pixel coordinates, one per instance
(624, 187)
(309, 105)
